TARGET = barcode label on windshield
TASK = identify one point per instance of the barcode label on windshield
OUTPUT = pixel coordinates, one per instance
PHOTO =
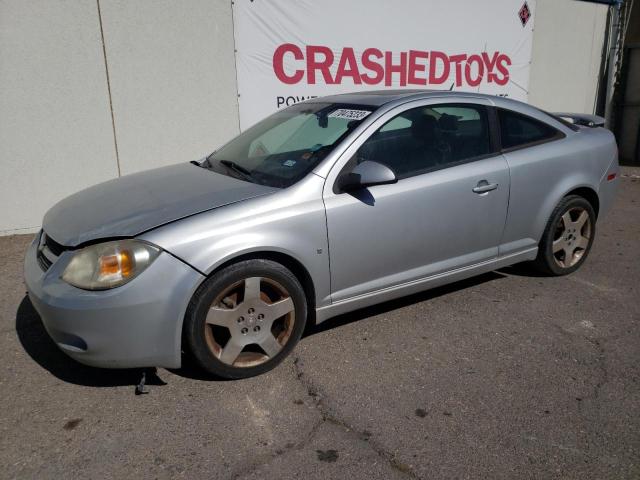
(348, 114)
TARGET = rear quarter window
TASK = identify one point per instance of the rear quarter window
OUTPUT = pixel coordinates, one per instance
(517, 130)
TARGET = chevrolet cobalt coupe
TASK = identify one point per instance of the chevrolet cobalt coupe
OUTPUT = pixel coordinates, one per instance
(322, 208)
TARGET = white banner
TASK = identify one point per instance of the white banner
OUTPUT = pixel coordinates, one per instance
(291, 50)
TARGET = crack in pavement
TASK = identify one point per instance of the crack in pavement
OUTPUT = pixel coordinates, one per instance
(289, 447)
(325, 417)
(330, 417)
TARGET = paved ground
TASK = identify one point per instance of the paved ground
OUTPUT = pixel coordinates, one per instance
(504, 376)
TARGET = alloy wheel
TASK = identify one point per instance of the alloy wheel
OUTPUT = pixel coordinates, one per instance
(250, 322)
(571, 238)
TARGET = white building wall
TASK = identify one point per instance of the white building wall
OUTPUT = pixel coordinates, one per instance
(55, 125)
(173, 88)
(567, 48)
(172, 74)
(172, 77)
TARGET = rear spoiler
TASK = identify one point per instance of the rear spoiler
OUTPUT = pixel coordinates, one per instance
(582, 119)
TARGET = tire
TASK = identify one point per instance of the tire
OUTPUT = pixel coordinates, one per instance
(570, 231)
(237, 314)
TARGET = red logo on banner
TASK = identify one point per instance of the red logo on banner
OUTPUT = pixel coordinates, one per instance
(524, 13)
(313, 64)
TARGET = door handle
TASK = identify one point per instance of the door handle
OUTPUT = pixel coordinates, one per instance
(484, 187)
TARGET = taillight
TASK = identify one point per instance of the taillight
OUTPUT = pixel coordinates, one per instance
(611, 176)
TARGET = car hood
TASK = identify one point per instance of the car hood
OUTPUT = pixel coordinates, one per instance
(130, 205)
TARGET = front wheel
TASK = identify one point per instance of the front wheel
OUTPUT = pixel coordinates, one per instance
(568, 237)
(245, 319)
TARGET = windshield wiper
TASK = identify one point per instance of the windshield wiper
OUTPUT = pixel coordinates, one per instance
(239, 169)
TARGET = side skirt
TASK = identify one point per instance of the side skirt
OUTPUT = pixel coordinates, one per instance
(390, 293)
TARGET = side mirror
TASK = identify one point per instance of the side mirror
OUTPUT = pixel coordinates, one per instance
(367, 174)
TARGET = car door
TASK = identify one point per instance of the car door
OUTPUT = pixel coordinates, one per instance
(447, 210)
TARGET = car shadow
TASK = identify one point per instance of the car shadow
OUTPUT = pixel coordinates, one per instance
(524, 269)
(40, 347)
(364, 195)
(356, 315)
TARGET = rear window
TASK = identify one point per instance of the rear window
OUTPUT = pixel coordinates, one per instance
(517, 130)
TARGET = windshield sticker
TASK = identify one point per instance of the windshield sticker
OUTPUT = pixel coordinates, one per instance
(289, 163)
(348, 114)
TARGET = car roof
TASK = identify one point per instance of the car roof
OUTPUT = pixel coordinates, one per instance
(377, 98)
(393, 97)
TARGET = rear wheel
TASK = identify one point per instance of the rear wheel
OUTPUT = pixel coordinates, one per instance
(568, 237)
(245, 319)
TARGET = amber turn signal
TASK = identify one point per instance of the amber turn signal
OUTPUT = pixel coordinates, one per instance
(121, 263)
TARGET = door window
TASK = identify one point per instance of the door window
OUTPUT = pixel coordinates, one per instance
(428, 138)
(518, 130)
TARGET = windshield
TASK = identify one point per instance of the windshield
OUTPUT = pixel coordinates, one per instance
(285, 147)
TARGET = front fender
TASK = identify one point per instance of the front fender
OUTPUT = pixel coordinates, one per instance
(290, 222)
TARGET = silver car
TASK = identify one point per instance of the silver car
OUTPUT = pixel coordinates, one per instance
(322, 208)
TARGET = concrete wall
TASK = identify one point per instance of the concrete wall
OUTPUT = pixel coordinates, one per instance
(55, 125)
(567, 48)
(172, 77)
(171, 89)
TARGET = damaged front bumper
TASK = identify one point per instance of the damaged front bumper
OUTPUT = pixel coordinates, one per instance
(136, 325)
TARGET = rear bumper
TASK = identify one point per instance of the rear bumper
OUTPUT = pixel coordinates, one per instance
(136, 325)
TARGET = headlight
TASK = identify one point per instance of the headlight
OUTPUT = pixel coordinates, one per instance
(109, 265)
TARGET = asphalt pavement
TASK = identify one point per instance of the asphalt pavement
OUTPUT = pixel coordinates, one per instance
(507, 375)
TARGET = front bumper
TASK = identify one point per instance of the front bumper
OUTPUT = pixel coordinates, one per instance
(136, 325)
